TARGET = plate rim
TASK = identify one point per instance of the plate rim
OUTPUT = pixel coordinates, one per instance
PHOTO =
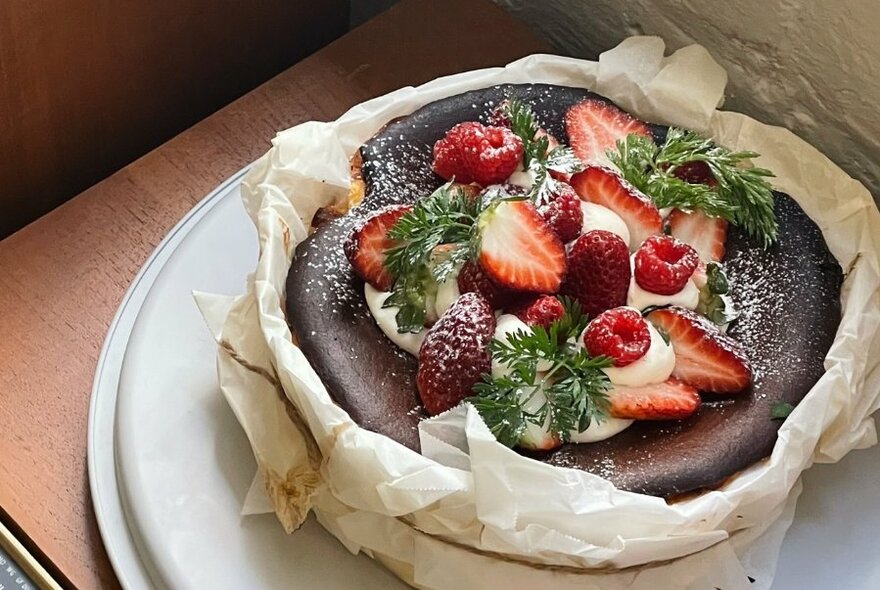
(115, 532)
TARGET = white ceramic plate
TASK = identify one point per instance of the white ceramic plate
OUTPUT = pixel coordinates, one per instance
(168, 505)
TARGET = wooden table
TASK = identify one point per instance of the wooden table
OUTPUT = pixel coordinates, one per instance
(62, 277)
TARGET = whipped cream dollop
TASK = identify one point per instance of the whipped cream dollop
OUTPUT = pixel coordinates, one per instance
(386, 319)
(599, 217)
(654, 367)
(639, 298)
(523, 178)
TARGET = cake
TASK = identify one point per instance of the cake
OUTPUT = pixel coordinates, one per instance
(787, 295)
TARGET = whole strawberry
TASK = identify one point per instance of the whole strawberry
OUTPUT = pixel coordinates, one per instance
(472, 279)
(598, 272)
(564, 214)
(473, 152)
(455, 353)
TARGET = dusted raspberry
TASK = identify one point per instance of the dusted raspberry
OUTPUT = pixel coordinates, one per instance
(366, 245)
(472, 279)
(491, 154)
(473, 152)
(448, 162)
(620, 333)
(499, 116)
(598, 271)
(455, 353)
(539, 311)
(564, 214)
(664, 265)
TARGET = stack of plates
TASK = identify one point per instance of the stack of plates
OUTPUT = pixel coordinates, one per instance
(169, 466)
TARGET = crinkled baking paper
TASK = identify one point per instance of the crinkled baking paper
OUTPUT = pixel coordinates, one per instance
(468, 512)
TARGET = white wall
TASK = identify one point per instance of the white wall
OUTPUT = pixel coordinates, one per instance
(812, 66)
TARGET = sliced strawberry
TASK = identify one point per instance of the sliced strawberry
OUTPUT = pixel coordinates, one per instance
(670, 400)
(707, 235)
(604, 187)
(595, 126)
(455, 353)
(366, 245)
(705, 357)
(518, 250)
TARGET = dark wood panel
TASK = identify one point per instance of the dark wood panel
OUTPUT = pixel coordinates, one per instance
(62, 278)
(86, 86)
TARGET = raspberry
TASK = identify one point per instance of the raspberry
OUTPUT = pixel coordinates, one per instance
(664, 265)
(542, 310)
(563, 214)
(598, 271)
(455, 353)
(473, 152)
(472, 279)
(620, 333)
(448, 162)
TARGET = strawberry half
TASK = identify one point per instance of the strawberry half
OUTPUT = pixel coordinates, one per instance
(670, 400)
(604, 187)
(518, 250)
(366, 245)
(707, 235)
(455, 353)
(594, 127)
(705, 357)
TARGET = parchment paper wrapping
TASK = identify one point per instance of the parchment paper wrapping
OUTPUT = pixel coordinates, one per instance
(468, 512)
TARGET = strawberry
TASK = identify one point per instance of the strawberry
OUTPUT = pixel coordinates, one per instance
(620, 333)
(564, 214)
(472, 279)
(542, 310)
(455, 353)
(595, 126)
(705, 357)
(598, 272)
(474, 152)
(670, 400)
(707, 235)
(518, 250)
(663, 265)
(604, 187)
(365, 246)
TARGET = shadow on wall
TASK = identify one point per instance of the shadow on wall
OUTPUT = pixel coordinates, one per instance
(812, 67)
(88, 86)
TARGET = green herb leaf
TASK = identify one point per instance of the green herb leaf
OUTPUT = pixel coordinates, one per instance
(743, 195)
(715, 303)
(447, 216)
(575, 387)
(780, 410)
(537, 155)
